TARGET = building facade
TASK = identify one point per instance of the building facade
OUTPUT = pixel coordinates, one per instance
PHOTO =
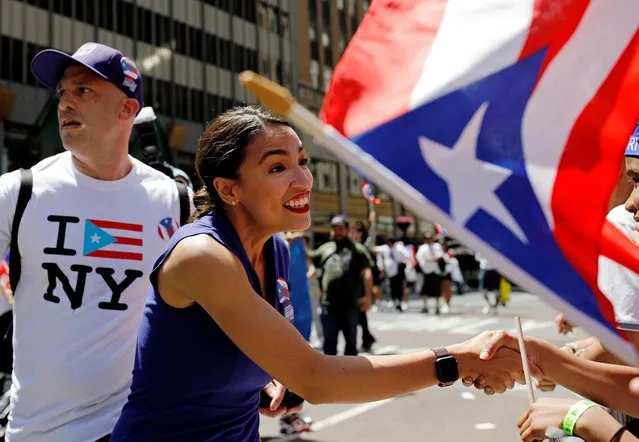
(323, 30)
(189, 52)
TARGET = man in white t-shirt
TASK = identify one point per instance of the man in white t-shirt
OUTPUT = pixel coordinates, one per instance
(91, 232)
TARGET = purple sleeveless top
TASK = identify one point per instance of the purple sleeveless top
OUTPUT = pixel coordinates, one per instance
(190, 381)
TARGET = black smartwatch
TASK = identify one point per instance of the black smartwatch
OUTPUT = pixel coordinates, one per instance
(445, 367)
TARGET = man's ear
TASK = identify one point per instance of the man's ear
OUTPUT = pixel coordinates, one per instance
(129, 108)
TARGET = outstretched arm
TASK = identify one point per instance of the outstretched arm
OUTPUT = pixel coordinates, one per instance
(191, 274)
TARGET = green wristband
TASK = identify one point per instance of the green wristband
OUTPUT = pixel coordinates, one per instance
(573, 415)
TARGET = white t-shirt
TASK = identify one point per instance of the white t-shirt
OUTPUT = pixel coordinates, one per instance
(427, 256)
(389, 258)
(81, 240)
(620, 285)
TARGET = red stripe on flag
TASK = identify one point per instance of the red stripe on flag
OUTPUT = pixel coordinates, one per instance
(103, 224)
(589, 168)
(116, 255)
(128, 241)
(552, 26)
(364, 91)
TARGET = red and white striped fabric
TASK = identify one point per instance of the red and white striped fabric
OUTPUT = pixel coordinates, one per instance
(507, 121)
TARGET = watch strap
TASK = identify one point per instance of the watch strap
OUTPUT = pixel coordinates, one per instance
(441, 352)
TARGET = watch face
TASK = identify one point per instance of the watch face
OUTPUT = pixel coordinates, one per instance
(447, 371)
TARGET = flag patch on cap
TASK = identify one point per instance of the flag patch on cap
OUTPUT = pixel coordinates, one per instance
(131, 74)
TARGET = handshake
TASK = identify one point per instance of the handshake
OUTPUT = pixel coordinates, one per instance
(491, 361)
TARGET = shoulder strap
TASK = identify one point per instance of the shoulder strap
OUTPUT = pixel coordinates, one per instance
(326, 257)
(26, 187)
(185, 206)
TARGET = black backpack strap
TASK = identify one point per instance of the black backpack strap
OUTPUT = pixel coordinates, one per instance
(185, 204)
(15, 262)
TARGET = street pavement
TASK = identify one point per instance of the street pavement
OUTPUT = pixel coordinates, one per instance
(435, 414)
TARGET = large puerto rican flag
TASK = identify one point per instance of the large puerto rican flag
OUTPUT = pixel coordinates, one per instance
(506, 122)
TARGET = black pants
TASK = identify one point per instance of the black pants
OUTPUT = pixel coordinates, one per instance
(335, 320)
(367, 337)
(397, 287)
(106, 438)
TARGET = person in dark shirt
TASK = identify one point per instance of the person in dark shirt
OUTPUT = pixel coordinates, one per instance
(346, 271)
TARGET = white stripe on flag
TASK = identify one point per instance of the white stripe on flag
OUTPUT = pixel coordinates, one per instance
(573, 77)
(475, 39)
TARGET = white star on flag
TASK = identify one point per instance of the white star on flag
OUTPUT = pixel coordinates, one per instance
(95, 238)
(480, 179)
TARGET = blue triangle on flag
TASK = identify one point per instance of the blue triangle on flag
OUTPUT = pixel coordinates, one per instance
(95, 238)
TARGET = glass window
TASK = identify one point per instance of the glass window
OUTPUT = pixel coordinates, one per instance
(211, 106)
(64, 7)
(285, 26)
(328, 73)
(105, 18)
(181, 104)
(210, 56)
(90, 12)
(261, 14)
(16, 52)
(252, 61)
(179, 36)
(328, 49)
(196, 105)
(238, 55)
(225, 54)
(288, 81)
(195, 39)
(144, 25)
(5, 48)
(80, 6)
(32, 50)
(163, 32)
(148, 91)
(271, 19)
(250, 13)
(126, 19)
(315, 73)
(44, 4)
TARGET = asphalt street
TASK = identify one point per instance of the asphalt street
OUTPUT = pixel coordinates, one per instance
(436, 414)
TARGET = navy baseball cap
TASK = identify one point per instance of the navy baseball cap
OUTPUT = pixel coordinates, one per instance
(632, 149)
(48, 67)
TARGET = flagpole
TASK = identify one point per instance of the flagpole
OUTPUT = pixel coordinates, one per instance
(524, 360)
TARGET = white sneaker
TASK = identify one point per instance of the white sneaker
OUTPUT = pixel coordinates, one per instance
(445, 309)
(486, 309)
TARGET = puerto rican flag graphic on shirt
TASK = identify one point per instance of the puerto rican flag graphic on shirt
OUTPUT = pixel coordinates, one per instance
(113, 240)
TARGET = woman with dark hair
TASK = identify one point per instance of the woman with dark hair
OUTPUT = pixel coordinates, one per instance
(217, 329)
